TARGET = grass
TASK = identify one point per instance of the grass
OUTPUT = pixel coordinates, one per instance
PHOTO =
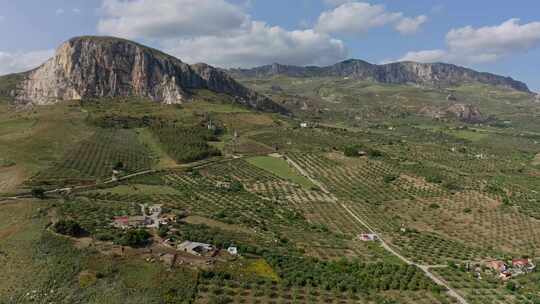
(195, 219)
(148, 139)
(261, 268)
(281, 168)
(19, 229)
(140, 189)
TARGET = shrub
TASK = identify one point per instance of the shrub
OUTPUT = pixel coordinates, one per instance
(389, 178)
(38, 193)
(372, 153)
(135, 238)
(351, 151)
(68, 227)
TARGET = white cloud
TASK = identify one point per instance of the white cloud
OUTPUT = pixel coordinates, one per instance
(76, 11)
(336, 2)
(409, 26)
(13, 62)
(469, 45)
(360, 17)
(216, 32)
(425, 56)
(169, 19)
(59, 11)
(259, 45)
(2, 18)
(495, 41)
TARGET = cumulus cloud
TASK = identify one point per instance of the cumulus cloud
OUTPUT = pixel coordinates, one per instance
(408, 26)
(426, 56)
(216, 32)
(166, 19)
(360, 17)
(336, 2)
(495, 41)
(469, 45)
(13, 62)
(261, 44)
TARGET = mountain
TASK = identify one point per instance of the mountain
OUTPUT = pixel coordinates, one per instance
(93, 67)
(430, 74)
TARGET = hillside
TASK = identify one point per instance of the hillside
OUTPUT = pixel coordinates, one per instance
(95, 67)
(429, 74)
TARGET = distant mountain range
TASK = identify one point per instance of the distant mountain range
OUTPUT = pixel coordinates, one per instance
(428, 74)
(93, 67)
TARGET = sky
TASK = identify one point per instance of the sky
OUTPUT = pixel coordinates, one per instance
(501, 37)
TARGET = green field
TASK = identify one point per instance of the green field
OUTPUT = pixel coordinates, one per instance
(440, 192)
(281, 168)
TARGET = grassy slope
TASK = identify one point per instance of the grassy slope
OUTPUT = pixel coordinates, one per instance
(280, 168)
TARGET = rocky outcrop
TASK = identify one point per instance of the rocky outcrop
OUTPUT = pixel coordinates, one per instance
(94, 67)
(466, 112)
(429, 74)
(463, 112)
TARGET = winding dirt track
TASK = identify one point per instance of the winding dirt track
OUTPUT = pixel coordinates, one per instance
(425, 268)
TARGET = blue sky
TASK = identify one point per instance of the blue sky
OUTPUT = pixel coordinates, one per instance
(502, 37)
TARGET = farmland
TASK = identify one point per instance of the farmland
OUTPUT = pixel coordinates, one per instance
(293, 200)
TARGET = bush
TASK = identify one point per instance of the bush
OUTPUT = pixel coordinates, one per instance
(351, 151)
(389, 178)
(135, 238)
(236, 186)
(38, 193)
(434, 179)
(68, 227)
(372, 153)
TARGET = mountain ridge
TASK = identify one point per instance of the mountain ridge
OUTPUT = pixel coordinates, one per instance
(405, 72)
(101, 66)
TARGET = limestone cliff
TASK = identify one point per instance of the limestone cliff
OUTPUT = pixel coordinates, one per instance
(94, 67)
(429, 74)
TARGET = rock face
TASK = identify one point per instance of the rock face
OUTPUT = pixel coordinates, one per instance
(466, 113)
(93, 67)
(431, 74)
(463, 112)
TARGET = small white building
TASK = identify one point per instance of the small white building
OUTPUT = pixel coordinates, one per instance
(366, 237)
(155, 209)
(232, 250)
(304, 125)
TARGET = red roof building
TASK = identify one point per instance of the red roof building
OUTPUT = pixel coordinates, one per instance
(520, 262)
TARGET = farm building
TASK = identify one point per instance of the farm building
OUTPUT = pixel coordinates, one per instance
(195, 248)
(125, 222)
(523, 264)
(366, 237)
(232, 250)
(496, 265)
(155, 209)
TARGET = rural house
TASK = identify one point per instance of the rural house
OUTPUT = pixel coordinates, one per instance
(195, 248)
(366, 237)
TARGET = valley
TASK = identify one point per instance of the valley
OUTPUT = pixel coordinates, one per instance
(328, 189)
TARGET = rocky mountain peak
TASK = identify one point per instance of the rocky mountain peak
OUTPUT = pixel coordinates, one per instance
(93, 67)
(408, 72)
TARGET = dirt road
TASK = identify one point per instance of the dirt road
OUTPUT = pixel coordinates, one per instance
(425, 268)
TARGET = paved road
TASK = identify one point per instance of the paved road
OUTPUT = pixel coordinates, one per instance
(425, 268)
